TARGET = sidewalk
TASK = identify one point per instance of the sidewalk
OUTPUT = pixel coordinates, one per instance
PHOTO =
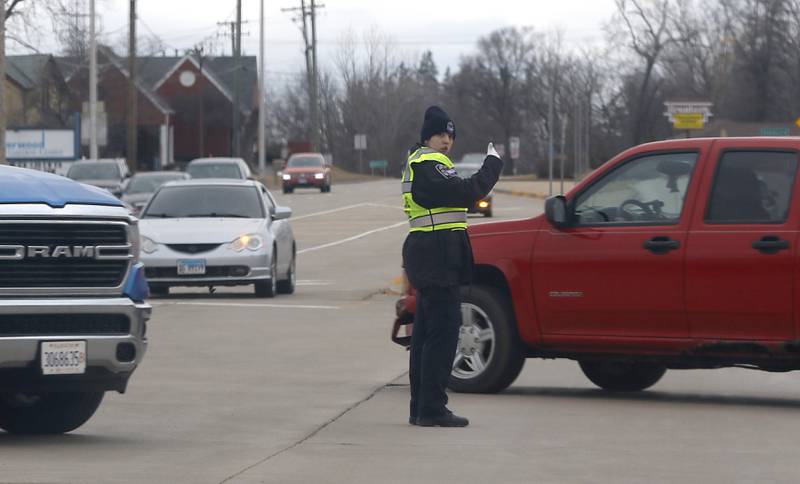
(531, 189)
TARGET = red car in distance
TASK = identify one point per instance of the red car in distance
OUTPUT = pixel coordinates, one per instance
(306, 170)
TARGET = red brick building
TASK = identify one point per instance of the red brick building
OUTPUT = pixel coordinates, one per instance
(185, 105)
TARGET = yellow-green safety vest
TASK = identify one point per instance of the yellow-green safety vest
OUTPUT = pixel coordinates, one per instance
(421, 219)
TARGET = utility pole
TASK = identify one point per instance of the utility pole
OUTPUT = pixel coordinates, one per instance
(92, 84)
(261, 142)
(550, 126)
(312, 72)
(236, 73)
(315, 125)
(132, 115)
(3, 84)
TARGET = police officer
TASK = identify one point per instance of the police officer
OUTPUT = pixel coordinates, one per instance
(437, 258)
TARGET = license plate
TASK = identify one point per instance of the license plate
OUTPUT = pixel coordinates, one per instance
(302, 180)
(63, 357)
(191, 267)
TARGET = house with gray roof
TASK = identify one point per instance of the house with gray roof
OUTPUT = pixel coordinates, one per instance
(184, 103)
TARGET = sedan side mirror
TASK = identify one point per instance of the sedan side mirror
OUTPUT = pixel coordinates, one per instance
(281, 213)
(555, 210)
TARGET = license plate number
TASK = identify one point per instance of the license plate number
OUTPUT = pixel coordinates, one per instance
(191, 267)
(302, 180)
(63, 357)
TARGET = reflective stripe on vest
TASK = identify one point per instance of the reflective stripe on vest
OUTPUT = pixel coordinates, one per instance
(442, 218)
(420, 218)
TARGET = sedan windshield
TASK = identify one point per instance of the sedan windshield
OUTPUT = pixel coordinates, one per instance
(94, 171)
(214, 170)
(205, 201)
(306, 161)
(149, 183)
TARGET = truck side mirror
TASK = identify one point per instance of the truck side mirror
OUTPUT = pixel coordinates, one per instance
(555, 210)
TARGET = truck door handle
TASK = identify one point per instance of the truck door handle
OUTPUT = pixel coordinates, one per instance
(770, 244)
(661, 245)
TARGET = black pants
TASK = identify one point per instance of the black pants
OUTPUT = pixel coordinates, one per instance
(433, 347)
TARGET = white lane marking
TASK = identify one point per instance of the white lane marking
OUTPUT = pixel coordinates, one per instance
(240, 305)
(313, 283)
(384, 205)
(333, 210)
(350, 239)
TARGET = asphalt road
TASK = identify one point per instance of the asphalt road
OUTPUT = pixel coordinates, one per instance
(308, 388)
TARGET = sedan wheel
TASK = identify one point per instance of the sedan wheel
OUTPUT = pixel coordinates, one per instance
(287, 285)
(269, 288)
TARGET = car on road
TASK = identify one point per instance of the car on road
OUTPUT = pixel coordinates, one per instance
(306, 170)
(213, 232)
(107, 173)
(484, 205)
(138, 189)
(678, 254)
(235, 168)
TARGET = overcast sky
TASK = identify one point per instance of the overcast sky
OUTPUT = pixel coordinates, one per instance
(448, 28)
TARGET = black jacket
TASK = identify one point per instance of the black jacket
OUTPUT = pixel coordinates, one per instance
(444, 257)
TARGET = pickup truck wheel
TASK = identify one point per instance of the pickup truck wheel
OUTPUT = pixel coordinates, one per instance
(489, 355)
(622, 376)
(48, 413)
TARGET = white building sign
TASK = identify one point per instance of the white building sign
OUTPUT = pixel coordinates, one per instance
(40, 144)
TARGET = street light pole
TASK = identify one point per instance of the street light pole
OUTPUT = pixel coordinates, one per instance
(92, 84)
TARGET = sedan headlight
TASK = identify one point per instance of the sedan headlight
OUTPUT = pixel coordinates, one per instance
(148, 245)
(249, 241)
(319, 176)
(286, 176)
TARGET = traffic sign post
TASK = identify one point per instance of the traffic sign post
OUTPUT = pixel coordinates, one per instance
(360, 144)
(513, 145)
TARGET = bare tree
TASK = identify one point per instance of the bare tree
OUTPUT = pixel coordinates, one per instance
(644, 27)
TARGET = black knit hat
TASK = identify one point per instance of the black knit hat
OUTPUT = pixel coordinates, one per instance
(436, 121)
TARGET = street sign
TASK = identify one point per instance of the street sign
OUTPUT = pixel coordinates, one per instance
(513, 143)
(774, 132)
(102, 124)
(360, 141)
(378, 165)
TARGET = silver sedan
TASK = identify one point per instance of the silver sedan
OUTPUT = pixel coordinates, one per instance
(217, 233)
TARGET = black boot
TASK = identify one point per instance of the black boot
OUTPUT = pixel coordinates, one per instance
(449, 419)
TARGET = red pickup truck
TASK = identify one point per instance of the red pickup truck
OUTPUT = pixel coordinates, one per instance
(677, 254)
